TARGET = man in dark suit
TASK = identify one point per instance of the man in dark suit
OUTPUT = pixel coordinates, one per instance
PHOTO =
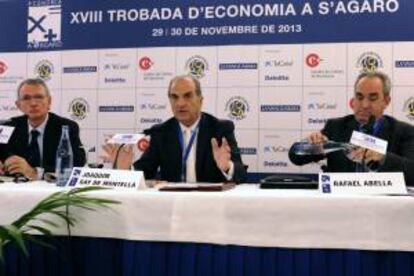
(371, 98)
(209, 153)
(32, 147)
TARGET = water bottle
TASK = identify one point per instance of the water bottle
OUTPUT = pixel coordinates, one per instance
(307, 148)
(64, 158)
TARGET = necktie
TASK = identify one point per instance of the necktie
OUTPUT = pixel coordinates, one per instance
(33, 150)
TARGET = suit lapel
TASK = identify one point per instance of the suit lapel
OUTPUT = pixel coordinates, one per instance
(203, 145)
(50, 140)
(174, 150)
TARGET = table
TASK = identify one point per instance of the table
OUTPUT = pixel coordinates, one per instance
(243, 231)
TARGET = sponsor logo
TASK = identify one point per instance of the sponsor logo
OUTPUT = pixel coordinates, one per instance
(278, 63)
(78, 109)
(114, 80)
(150, 121)
(145, 63)
(275, 149)
(280, 108)
(116, 66)
(322, 106)
(44, 24)
(409, 108)
(237, 108)
(3, 67)
(313, 60)
(196, 66)
(44, 70)
(248, 151)
(317, 121)
(276, 78)
(80, 69)
(238, 66)
(152, 106)
(404, 63)
(369, 62)
(275, 164)
(116, 108)
(8, 108)
(143, 144)
(326, 183)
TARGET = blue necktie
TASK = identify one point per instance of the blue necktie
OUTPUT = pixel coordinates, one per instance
(33, 150)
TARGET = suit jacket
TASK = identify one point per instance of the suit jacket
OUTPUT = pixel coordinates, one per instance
(400, 152)
(164, 151)
(19, 140)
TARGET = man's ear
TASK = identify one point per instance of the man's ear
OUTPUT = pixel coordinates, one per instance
(17, 103)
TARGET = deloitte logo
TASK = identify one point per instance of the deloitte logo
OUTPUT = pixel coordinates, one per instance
(78, 109)
(196, 66)
(237, 108)
(44, 70)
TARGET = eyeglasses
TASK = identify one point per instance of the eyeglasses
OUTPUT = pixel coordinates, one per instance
(36, 98)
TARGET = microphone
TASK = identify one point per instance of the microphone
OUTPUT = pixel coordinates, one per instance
(368, 128)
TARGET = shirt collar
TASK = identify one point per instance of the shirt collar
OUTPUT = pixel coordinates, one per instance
(41, 127)
(192, 127)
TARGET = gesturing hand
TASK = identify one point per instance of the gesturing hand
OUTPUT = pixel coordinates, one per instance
(124, 157)
(222, 154)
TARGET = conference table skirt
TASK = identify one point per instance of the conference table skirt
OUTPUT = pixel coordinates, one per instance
(246, 216)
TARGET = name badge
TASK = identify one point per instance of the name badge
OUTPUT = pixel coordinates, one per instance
(369, 142)
(116, 179)
(128, 139)
(5, 134)
(362, 183)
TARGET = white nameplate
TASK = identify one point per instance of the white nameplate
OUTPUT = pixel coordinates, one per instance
(5, 134)
(117, 179)
(362, 183)
(128, 139)
(369, 142)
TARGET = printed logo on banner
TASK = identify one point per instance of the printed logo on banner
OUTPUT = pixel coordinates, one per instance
(196, 66)
(44, 70)
(313, 60)
(326, 183)
(114, 80)
(145, 63)
(317, 121)
(322, 106)
(238, 66)
(3, 67)
(274, 163)
(409, 108)
(78, 109)
(143, 144)
(275, 149)
(44, 24)
(152, 106)
(116, 108)
(80, 69)
(116, 66)
(237, 108)
(276, 63)
(151, 120)
(369, 62)
(404, 63)
(248, 151)
(280, 108)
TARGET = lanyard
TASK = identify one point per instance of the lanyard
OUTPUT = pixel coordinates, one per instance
(186, 150)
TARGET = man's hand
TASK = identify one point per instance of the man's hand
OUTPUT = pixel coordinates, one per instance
(317, 138)
(16, 164)
(125, 155)
(359, 154)
(1, 168)
(222, 155)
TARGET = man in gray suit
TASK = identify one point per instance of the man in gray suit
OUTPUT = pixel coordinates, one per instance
(371, 98)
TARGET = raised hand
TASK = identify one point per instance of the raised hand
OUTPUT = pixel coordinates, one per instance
(125, 155)
(222, 154)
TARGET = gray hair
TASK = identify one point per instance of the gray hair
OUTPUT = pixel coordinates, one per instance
(194, 79)
(386, 82)
(35, 81)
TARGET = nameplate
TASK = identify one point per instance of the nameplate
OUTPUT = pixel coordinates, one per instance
(362, 183)
(5, 134)
(116, 179)
(128, 139)
(369, 142)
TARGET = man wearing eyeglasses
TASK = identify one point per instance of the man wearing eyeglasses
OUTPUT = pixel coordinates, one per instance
(31, 150)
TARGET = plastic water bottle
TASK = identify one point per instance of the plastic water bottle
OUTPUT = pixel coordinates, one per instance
(64, 158)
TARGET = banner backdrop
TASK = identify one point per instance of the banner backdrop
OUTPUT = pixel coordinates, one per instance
(277, 69)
